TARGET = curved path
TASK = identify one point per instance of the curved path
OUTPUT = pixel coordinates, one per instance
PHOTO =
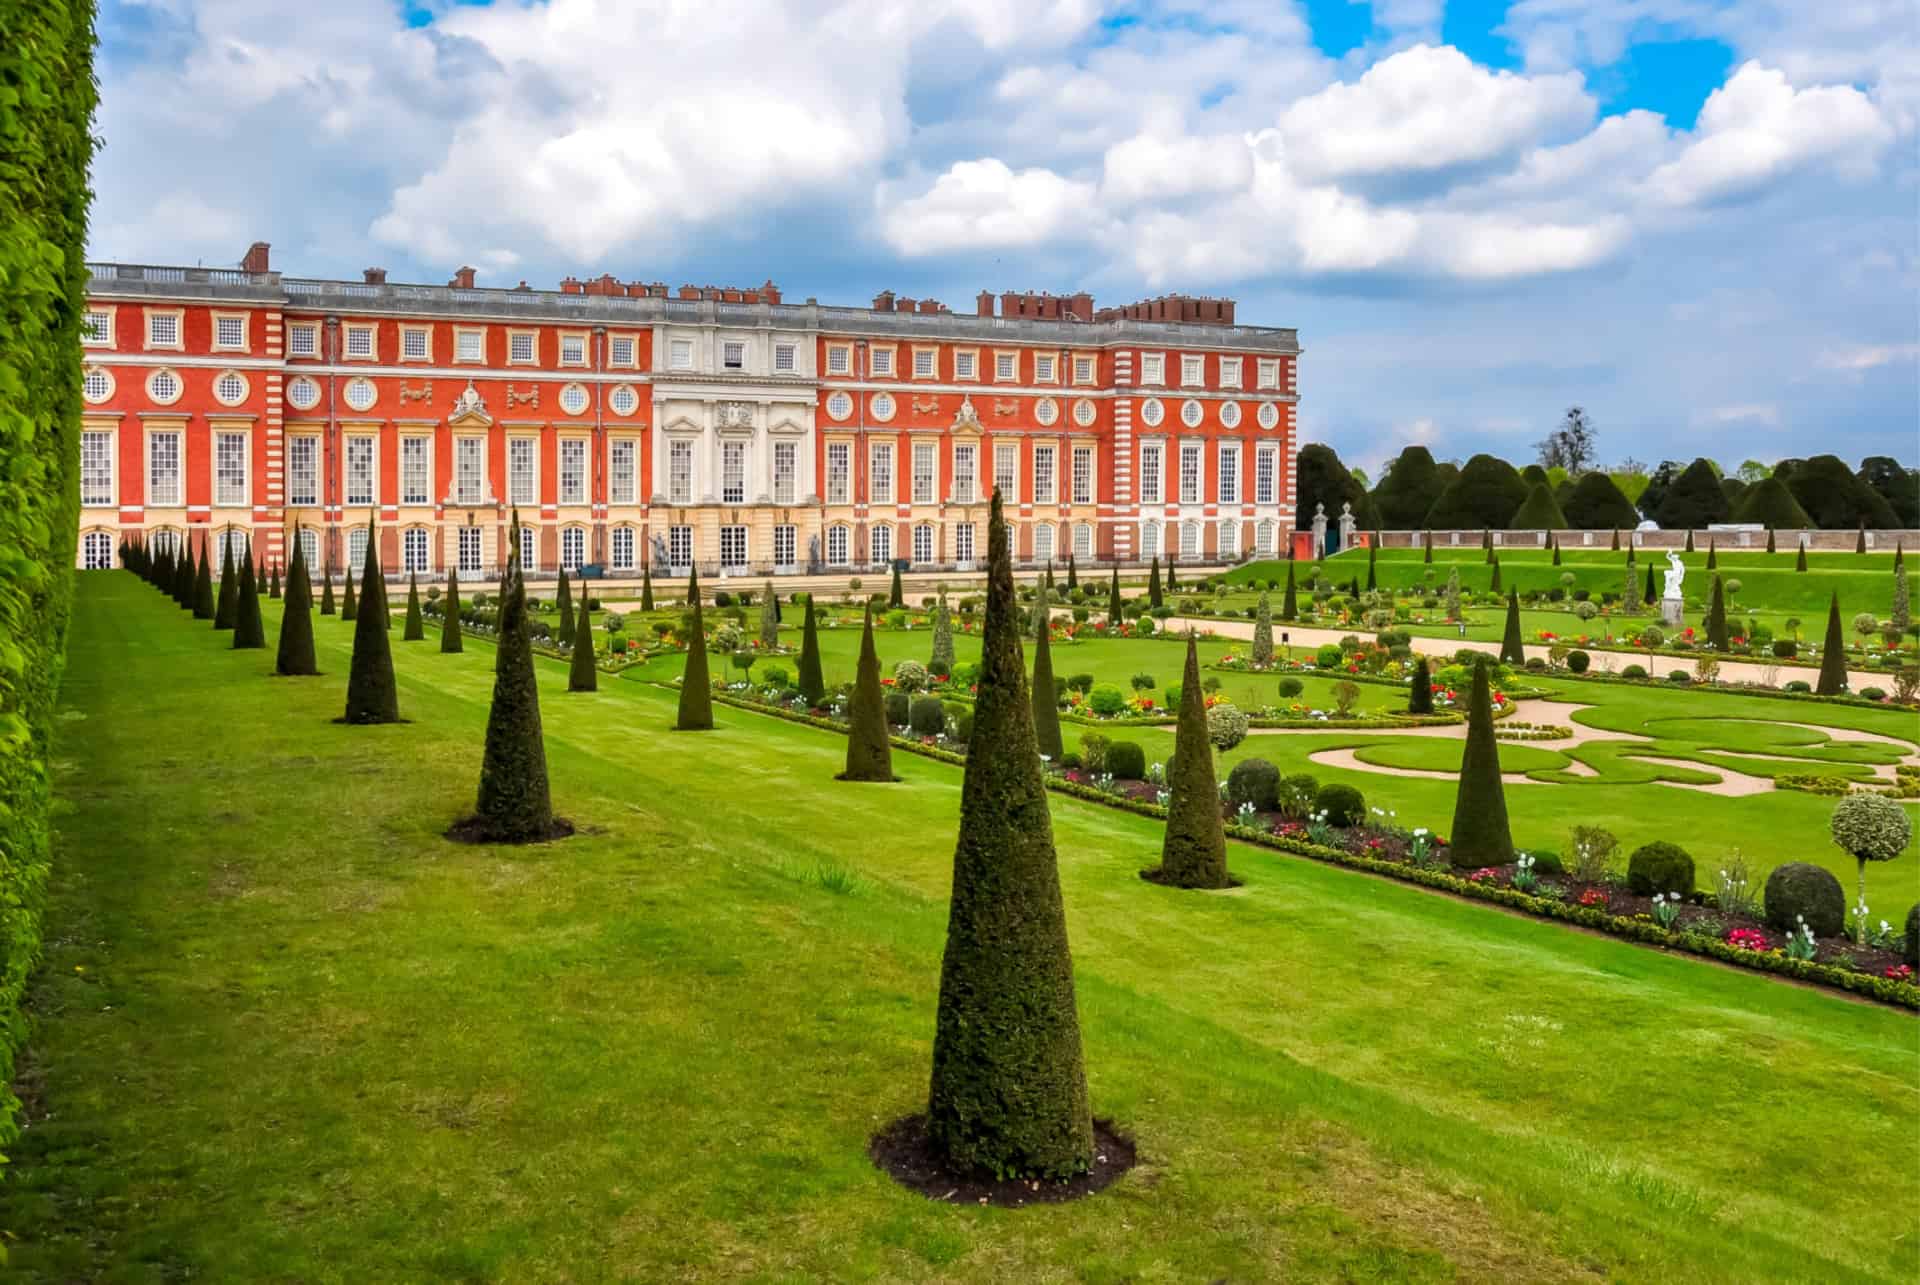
(1312, 637)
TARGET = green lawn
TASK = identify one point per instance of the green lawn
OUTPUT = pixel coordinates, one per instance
(287, 1032)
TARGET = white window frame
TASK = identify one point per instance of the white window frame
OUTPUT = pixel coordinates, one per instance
(303, 471)
(1084, 486)
(679, 472)
(231, 477)
(925, 546)
(680, 547)
(1046, 368)
(574, 349)
(529, 549)
(734, 545)
(416, 549)
(786, 472)
(1043, 542)
(303, 339)
(1227, 474)
(1153, 469)
(966, 364)
(97, 490)
(926, 363)
(1149, 539)
(470, 548)
(679, 354)
(1153, 369)
(1006, 366)
(880, 361)
(573, 547)
(786, 546)
(1227, 539)
(531, 341)
(176, 320)
(1083, 540)
(881, 482)
(1230, 372)
(523, 470)
(1193, 370)
(733, 472)
(1266, 475)
(1084, 369)
(880, 543)
(229, 345)
(839, 472)
(1269, 372)
(573, 487)
(631, 361)
(1006, 471)
(623, 470)
(1046, 477)
(469, 345)
(621, 542)
(416, 466)
(97, 332)
(963, 542)
(1193, 482)
(926, 473)
(353, 445)
(365, 336)
(424, 334)
(839, 545)
(733, 355)
(839, 359)
(469, 470)
(966, 473)
(786, 359)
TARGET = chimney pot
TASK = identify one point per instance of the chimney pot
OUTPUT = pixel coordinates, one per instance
(256, 258)
(374, 276)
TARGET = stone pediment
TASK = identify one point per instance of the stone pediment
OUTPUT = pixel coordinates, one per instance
(682, 424)
(966, 421)
(469, 410)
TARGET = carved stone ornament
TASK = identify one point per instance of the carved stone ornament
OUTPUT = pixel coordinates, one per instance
(529, 398)
(733, 415)
(967, 414)
(926, 405)
(469, 406)
(1006, 408)
(408, 393)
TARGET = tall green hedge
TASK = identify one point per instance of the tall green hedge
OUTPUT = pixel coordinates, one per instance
(46, 145)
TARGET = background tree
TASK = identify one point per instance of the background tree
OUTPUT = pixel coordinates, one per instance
(696, 694)
(1895, 483)
(1046, 699)
(1869, 827)
(1320, 478)
(1752, 472)
(452, 642)
(1481, 836)
(1717, 617)
(583, 675)
(1407, 490)
(1486, 494)
(1899, 616)
(372, 696)
(1571, 446)
(295, 655)
(1009, 1089)
(942, 656)
(514, 804)
(869, 752)
(1835, 497)
(770, 619)
(416, 630)
(811, 684)
(1113, 600)
(1193, 853)
(1692, 500)
(1770, 503)
(1538, 512)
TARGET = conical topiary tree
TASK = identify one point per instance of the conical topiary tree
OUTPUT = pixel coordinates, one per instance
(646, 587)
(1481, 836)
(1717, 616)
(696, 694)
(326, 590)
(1290, 603)
(1046, 700)
(770, 620)
(452, 641)
(372, 696)
(1771, 546)
(1171, 586)
(1833, 655)
(249, 630)
(942, 658)
(1511, 650)
(1420, 688)
(563, 602)
(182, 587)
(223, 608)
(273, 582)
(1630, 594)
(1041, 610)
(349, 601)
(416, 630)
(809, 680)
(1800, 556)
(203, 604)
(1073, 573)
(1427, 544)
(295, 655)
(1860, 545)
(1713, 555)
(1495, 586)
(1689, 547)
(869, 752)
(1009, 1088)
(1153, 583)
(896, 596)
(1555, 542)
(1649, 593)
(514, 804)
(1194, 852)
(1262, 654)
(1616, 540)
(1113, 600)
(1900, 616)
(583, 675)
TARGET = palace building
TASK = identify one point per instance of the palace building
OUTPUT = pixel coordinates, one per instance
(633, 425)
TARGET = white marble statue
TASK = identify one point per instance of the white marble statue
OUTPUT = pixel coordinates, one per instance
(1676, 572)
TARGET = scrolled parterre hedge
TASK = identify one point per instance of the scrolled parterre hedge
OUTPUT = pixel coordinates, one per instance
(1886, 990)
(46, 145)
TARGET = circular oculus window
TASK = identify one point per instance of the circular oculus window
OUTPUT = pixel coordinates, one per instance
(303, 393)
(839, 406)
(360, 394)
(883, 406)
(1046, 411)
(164, 387)
(1191, 413)
(1084, 412)
(1152, 412)
(1230, 414)
(96, 385)
(573, 399)
(1269, 414)
(623, 400)
(230, 388)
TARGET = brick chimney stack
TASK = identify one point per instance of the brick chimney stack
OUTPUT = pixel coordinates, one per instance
(375, 276)
(983, 303)
(255, 259)
(462, 279)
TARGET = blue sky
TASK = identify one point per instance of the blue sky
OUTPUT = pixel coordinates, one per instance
(1692, 217)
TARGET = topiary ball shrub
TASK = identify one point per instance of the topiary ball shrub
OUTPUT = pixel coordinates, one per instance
(927, 716)
(1873, 693)
(1634, 671)
(1578, 661)
(899, 707)
(1809, 891)
(1679, 676)
(1106, 700)
(1290, 688)
(1226, 726)
(1660, 867)
(1254, 781)
(1343, 804)
(1329, 657)
(1536, 663)
(1798, 685)
(775, 676)
(910, 676)
(1142, 682)
(1785, 648)
(1126, 761)
(1080, 683)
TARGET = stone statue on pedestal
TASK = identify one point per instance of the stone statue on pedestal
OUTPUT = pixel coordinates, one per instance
(1671, 602)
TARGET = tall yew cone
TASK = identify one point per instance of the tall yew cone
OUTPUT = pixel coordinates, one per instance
(811, 684)
(203, 604)
(646, 587)
(182, 587)
(326, 590)
(223, 609)
(273, 582)
(371, 694)
(869, 753)
(896, 598)
(1717, 616)
(583, 675)
(1153, 583)
(1833, 655)
(295, 656)
(1194, 852)
(249, 630)
(1373, 553)
(1420, 690)
(1009, 1088)
(696, 695)
(1480, 833)
(452, 642)
(1511, 650)
(416, 630)
(1113, 600)
(1290, 604)
(349, 604)
(563, 599)
(514, 805)
(1046, 701)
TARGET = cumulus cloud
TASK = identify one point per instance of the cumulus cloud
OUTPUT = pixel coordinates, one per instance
(1764, 414)
(1757, 128)
(983, 205)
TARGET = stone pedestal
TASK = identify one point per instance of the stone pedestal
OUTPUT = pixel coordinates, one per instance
(1671, 612)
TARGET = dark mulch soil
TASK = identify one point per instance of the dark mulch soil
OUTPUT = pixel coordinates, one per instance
(1154, 874)
(474, 830)
(350, 722)
(842, 776)
(905, 1151)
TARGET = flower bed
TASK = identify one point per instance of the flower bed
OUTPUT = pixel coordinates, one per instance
(1515, 730)
(1375, 849)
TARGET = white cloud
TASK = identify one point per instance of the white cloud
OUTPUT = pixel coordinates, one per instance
(1427, 109)
(1762, 413)
(1757, 128)
(1867, 357)
(983, 205)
